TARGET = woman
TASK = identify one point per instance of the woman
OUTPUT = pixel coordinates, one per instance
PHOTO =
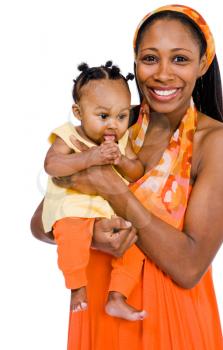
(176, 206)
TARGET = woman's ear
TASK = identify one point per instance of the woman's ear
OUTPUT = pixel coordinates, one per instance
(203, 66)
(76, 111)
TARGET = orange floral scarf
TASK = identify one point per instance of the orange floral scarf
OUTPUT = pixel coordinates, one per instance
(164, 190)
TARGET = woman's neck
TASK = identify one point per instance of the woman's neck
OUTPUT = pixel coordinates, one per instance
(171, 120)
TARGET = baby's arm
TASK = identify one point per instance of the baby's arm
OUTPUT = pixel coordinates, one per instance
(129, 166)
(61, 160)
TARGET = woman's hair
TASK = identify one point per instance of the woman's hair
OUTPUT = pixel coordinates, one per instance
(207, 93)
(108, 71)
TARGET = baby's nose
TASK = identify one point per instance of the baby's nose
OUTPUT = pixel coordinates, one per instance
(112, 123)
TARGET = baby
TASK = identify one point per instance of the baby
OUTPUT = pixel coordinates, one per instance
(102, 104)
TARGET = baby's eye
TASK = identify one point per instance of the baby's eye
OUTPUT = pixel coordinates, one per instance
(122, 116)
(180, 59)
(103, 116)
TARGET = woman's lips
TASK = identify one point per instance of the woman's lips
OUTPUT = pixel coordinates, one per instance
(163, 95)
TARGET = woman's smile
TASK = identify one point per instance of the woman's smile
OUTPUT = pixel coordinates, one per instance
(163, 94)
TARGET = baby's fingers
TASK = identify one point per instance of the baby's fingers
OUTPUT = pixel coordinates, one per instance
(108, 145)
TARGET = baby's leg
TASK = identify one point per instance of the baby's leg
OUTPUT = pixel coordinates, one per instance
(125, 275)
(73, 238)
(117, 307)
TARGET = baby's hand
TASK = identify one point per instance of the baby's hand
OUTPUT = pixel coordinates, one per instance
(107, 153)
(111, 151)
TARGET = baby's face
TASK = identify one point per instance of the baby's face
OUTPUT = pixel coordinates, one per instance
(104, 109)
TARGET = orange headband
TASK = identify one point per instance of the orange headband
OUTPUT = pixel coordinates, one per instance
(195, 17)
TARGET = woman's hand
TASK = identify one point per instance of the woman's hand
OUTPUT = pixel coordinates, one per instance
(78, 182)
(97, 180)
(113, 236)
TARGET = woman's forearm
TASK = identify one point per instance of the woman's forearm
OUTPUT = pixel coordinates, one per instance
(170, 249)
(181, 255)
(37, 226)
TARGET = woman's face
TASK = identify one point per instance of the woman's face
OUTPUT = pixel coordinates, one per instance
(167, 66)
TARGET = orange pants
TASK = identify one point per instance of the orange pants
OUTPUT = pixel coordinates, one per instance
(73, 256)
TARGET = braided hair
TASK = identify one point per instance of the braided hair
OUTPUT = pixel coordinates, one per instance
(107, 71)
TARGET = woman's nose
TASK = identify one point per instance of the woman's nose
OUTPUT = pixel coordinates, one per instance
(164, 72)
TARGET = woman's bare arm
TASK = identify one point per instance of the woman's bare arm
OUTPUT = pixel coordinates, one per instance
(183, 255)
(37, 226)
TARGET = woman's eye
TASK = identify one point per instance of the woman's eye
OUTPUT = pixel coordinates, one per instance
(103, 116)
(150, 59)
(180, 59)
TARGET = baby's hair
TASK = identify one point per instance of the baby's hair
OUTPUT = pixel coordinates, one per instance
(107, 71)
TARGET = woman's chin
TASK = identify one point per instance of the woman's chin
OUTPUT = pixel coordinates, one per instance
(162, 109)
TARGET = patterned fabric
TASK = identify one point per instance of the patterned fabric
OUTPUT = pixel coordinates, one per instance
(195, 17)
(164, 189)
(137, 131)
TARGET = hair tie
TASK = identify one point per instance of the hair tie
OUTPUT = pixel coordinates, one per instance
(115, 70)
(108, 64)
(83, 67)
(129, 76)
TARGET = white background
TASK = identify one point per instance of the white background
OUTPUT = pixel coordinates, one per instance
(41, 44)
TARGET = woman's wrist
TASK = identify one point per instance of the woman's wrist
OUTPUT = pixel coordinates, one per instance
(109, 183)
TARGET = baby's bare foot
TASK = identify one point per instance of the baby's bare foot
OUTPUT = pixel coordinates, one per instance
(78, 301)
(117, 307)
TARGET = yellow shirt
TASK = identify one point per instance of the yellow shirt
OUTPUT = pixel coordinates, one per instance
(60, 202)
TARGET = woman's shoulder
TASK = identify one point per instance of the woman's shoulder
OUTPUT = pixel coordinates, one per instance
(204, 121)
(208, 142)
(208, 129)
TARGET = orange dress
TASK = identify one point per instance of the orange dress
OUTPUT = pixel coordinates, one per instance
(178, 319)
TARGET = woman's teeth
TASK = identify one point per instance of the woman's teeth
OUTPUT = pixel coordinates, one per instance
(165, 92)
